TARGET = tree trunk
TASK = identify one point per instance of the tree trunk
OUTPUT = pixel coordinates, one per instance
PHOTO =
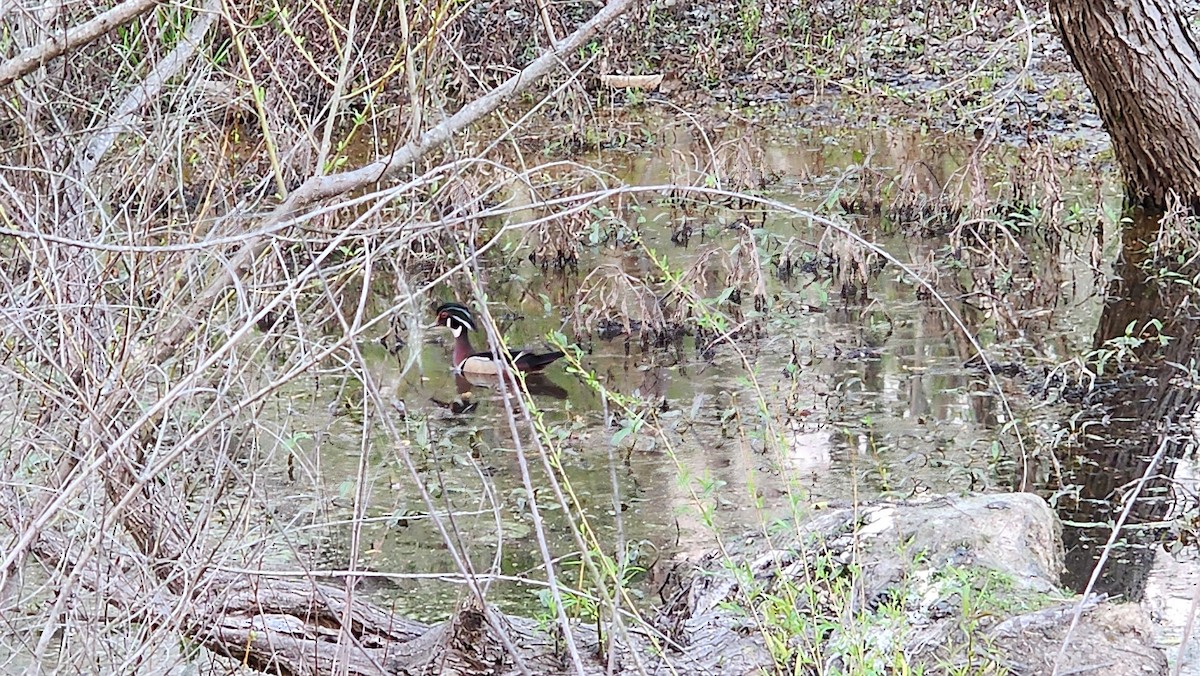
(1141, 63)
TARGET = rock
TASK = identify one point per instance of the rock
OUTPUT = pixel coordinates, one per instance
(938, 584)
(1015, 533)
(1112, 640)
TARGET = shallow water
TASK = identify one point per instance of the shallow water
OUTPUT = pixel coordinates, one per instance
(861, 397)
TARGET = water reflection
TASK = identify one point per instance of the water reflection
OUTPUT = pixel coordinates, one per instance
(839, 398)
(468, 387)
(1142, 419)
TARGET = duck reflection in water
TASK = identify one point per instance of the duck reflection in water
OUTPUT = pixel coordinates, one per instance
(467, 399)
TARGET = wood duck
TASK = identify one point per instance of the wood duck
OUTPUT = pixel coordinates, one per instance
(466, 360)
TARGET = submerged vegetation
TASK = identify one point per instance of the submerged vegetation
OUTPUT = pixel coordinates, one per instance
(842, 259)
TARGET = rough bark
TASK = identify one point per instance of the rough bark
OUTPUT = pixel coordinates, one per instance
(1140, 61)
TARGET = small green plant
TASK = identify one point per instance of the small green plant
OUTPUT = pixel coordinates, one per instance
(1127, 348)
(750, 17)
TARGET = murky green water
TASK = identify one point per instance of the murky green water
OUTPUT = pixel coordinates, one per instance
(865, 396)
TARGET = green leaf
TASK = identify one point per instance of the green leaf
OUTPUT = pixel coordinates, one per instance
(620, 435)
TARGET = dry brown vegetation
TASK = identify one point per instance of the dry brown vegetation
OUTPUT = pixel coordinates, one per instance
(200, 204)
(172, 185)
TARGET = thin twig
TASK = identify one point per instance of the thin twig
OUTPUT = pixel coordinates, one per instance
(1130, 501)
(335, 99)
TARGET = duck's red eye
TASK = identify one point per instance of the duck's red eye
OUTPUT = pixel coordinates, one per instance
(442, 316)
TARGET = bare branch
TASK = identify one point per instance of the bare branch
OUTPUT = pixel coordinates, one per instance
(325, 187)
(149, 89)
(34, 57)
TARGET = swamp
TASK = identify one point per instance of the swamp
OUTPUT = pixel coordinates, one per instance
(868, 329)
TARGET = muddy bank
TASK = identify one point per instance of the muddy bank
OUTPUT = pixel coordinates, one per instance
(994, 66)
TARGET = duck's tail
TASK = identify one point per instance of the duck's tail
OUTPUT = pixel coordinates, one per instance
(531, 363)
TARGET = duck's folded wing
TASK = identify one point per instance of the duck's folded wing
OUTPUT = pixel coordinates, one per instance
(529, 361)
(487, 363)
(481, 363)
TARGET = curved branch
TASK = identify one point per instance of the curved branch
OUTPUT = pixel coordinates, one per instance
(324, 187)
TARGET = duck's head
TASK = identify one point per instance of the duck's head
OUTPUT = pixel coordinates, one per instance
(456, 317)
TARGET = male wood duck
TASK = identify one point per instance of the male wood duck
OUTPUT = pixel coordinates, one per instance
(466, 360)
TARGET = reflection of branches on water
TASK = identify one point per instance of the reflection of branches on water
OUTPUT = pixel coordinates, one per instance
(1135, 425)
(558, 236)
(854, 264)
(722, 279)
